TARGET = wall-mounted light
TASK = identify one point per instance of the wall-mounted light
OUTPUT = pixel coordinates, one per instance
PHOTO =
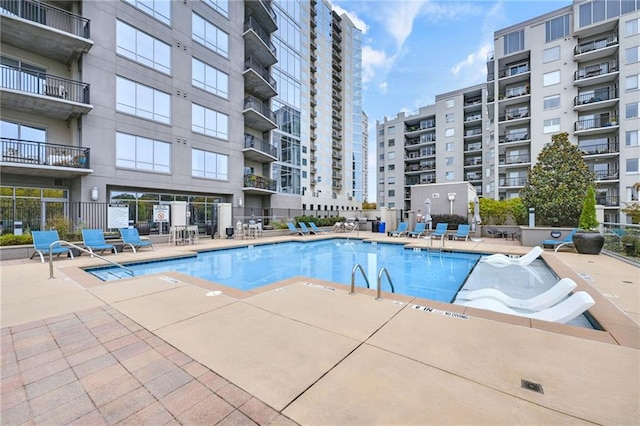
(452, 197)
(94, 193)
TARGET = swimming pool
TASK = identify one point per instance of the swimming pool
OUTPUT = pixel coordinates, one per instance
(419, 273)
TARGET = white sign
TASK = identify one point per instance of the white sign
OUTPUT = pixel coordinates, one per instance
(118, 216)
(161, 213)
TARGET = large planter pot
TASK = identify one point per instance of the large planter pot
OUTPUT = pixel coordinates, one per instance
(588, 242)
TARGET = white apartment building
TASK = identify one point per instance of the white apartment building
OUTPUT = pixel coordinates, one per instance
(203, 101)
(574, 70)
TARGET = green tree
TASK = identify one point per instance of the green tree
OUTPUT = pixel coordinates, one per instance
(557, 183)
(588, 220)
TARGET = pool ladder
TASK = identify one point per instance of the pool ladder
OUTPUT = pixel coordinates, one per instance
(357, 267)
(84, 250)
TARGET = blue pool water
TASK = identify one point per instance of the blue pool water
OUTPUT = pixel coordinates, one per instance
(423, 273)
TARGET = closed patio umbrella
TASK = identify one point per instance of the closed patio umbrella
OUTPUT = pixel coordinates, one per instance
(427, 213)
(477, 220)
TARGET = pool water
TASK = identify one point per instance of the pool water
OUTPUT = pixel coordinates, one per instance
(419, 273)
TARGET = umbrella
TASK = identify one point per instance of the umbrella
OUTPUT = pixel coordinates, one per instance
(477, 220)
(427, 212)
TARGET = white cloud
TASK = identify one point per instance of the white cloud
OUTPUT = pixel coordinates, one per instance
(398, 19)
(384, 86)
(355, 19)
(373, 60)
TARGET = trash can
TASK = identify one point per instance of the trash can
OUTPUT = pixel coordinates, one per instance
(375, 226)
(17, 227)
(381, 227)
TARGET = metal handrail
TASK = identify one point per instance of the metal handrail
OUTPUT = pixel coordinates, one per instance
(379, 290)
(62, 242)
(353, 277)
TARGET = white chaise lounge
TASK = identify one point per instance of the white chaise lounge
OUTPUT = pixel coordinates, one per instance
(503, 259)
(555, 294)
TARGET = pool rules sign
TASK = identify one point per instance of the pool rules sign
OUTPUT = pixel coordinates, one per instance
(161, 212)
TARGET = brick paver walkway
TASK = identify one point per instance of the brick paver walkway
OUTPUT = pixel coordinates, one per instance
(100, 367)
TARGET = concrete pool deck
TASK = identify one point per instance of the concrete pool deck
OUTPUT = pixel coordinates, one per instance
(159, 350)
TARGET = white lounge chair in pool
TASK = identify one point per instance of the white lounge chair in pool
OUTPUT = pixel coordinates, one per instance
(544, 300)
(574, 306)
(503, 259)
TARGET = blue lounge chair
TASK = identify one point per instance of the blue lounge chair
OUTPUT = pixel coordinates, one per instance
(93, 240)
(305, 229)
(295, 230)
(131, 238)
(43, 239)
(403, 228)
(462, 233)
(418, 230)
(315, 228)
(566, 241)
(440, 232)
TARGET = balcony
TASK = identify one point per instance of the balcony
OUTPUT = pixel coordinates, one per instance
(43, 159)
(517, 182)
(256, 149)
(511, 159)
(476, 146)
(258, 81)
(607, 175)
(514, 92)
(513, 137)
(62, 36)
(598, 48)
(260, 185)
(602, 149)
(513, 70)
(514, 114)
(258, 43)
(473, 161)
(263, 13)
(473, 176)
(470, 133)
(602, 124)
(258, 115)
(45, 94)
(336, 154)
(608, 200)
(596, 74)
(604, 97)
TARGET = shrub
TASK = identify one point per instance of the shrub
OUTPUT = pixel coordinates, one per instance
(452, 219)
(320, 221)
(15, 240)
(588, 221)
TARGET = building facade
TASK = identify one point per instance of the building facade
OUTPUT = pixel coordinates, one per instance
(574, 70)
(151, 102)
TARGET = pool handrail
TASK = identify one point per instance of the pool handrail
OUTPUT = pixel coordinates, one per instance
(353, 277)
(63, 242)
(379, 290)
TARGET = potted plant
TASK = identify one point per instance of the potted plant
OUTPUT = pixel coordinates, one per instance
(588, 239)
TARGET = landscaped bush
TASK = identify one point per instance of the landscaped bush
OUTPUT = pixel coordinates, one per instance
(320, 221)
(15, 240)
(452, 219)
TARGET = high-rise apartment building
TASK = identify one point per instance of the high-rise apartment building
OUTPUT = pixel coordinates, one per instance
(574, 70)
(203, 101)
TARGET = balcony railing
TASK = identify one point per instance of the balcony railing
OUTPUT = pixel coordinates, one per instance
(260, 182)
(596, 70)
(514, 137)
(39, 83)
(597, 96)
(608, 200)
(43, 153)
(514, 159)
(612, 174)
(511, 182)
(601, 43)
(514, 92)
(603, 148)
(251, 141)
(260, 70)
(595, 123)
(252, 24)
(513, 70)
(47, 15)
(251, 102)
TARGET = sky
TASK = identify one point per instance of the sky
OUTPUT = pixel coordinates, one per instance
(415, 50)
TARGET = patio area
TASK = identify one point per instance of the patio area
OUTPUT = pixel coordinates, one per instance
(171, 349)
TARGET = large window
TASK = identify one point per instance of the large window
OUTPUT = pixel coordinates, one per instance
(557, 28)
(551, 54)
(551, 102)
(12, 130)
(551, 125)
(632, 166)
(140, 153)
(209, 165)
(514, 42)
(220, 6)
(631, 82)
(591, 12)
(631, 55)
(141, 47)
(631, 27)
(551, 78)
(209, 78)
(209, 122)
(631, 110)
(143, 101)
(159, 9)
(210, 36)
(631, 138)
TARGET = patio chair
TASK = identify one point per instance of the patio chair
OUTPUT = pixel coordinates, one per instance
(544, 300)
(295, 230)
(43, 239)
(315, 228)
(495, 233)
(462, 233)
(420, 229)
(131, 238)
(566, 241)
(503, 259)
(440, 232)
(403, 228)
(570, 308)
(305, 228)
(93, 240)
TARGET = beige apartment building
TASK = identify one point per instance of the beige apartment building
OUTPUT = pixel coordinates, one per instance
(574, 70)
(257, 104)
